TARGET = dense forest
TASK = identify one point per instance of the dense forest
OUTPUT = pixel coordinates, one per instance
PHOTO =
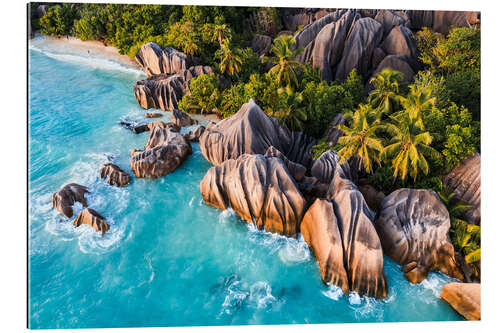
(397, 134)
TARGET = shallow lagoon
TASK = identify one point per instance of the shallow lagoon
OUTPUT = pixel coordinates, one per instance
(168, 259)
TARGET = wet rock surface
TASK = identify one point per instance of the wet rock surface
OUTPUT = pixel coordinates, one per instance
(64, 199)
(114, 175)
(92, 218)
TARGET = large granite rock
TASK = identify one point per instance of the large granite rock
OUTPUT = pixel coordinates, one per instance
(114, 174)
(372, 197)
(465, 298)
(439, 21)
(397, 63)
(154, 60)
(298, 171)
(340, 232)
(324, 167)
(465, 181)
(165, 151)
(251, 131)
(260, 189)
(332, 133)
(389, 19)
(193, 72)
(310, 31)
(64, 199)
(41, 11)
(413, 228)
(400, 41)
(92, 218)
(194, 136)
(365, 35)
(160, 91)
(182, 119)
(329, 44)
(419, 19)
(261, 44)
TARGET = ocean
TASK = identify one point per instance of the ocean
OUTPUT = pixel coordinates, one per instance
(168, 259)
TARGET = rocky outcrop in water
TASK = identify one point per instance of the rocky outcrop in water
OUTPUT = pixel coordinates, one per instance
(153, 115)
(465, 298)
(154, 60)
(465, 181)
(64, 199)
(251, 131)
(92, 218)
(341, 235)
(182, 119)
(194, 136)
(160, 91)
(114, 175)
(413, 228)
(260, 189)
(165, 151)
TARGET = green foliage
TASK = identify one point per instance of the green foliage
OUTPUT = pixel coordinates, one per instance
(250, 64)
(58, 21)
(232, 99)
(321, 147)
(385, 95)
(204, 96)
(355, 87)
(465, 89)
(285, 66)
(230, 59)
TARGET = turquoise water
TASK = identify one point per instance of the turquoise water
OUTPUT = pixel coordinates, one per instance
(168, 259)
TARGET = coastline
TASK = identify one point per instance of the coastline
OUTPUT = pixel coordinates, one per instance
(95, 50)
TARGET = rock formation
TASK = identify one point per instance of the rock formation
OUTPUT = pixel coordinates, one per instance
(182, 119)
(332, 133)
(160, 91)
(324, 167)
(372, 197)
(261, 44)
(251, 131)
(400, 41)
(260, 189)
(389, 19)
(194, 136)
(364, 36)
(165, 151)
(397, 63)
(465, 181)
(297, 170)
(465, 298)
(413, 228)
(64, 199)
(153, 115)
(114, 174)
(154, 60)
(93, 219)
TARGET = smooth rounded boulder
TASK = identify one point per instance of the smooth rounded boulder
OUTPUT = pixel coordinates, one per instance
(160, 91)
(114, 175)
(154, 60)
(465, 181)
(165, 151)
(92, 218)
(465, 298)
(260, 189)
(413, 227)
(64, 199)
(182, 119)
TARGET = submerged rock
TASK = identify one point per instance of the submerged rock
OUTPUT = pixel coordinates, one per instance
(465, 298)
(260, 189)
(115, 175)
(465, 181)
(182, 119)
(340, 232)
(92, 218)
(251, 131)
(165, 151)
(64, 199)
(413, 228)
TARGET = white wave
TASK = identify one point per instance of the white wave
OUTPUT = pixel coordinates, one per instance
(239, 295)
(434, 282)
(225, 215)
(91, 241)
(333, 292)
(354, 298)
(294, 251)
(88, 61)
(260, 295)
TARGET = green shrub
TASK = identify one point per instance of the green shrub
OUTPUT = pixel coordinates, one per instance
(204, 96)
(58, 21)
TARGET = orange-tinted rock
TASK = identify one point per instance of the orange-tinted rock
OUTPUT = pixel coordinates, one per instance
(298, 171)
(93, 219)
(160, 91)
(64, 199)
(413, 228)
(465, 298)
(465, 181)
(153, 115)
(372, 197)
(165, 151)
(194, 136)
(114, 174)
(154, 60)
(260, 189)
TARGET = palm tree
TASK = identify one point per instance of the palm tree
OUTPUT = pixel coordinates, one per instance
(360, 139)
(290, 111)
(385, 95)
(221, 32)
(230, 60)
(285, 65)
(408, 147)
(189, 39)
(417, 103)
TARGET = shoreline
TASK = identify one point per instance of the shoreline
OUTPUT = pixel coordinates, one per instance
(97, 50)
